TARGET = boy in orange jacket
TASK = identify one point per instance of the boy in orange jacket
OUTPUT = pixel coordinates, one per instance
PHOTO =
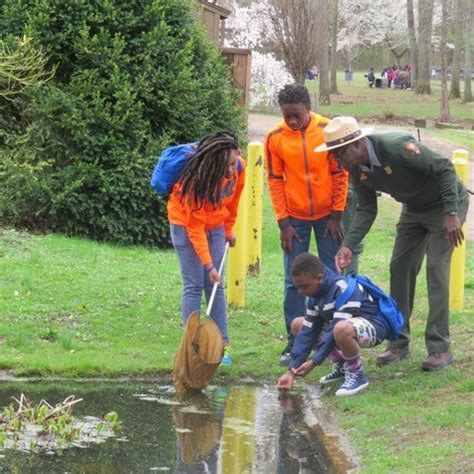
(308, 192)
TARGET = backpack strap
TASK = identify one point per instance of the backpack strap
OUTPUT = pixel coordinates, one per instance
(239, 166)
(345, 296)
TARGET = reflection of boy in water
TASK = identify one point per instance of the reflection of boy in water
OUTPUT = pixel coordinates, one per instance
(199, 433)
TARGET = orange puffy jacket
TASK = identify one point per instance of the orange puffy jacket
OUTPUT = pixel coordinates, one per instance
(303, 184)
(208, 217)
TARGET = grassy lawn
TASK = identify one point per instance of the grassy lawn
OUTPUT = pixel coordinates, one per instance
(359, 100)
(73, 307)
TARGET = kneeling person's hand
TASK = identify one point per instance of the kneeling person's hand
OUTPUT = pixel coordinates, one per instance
(285, 382)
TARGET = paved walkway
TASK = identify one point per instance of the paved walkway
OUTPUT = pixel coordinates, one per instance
(259, 124)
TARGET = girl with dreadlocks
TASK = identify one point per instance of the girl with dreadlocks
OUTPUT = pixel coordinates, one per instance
(202, 210)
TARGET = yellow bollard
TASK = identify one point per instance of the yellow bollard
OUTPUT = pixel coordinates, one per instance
(458, 261)
(254, 187)
(237, 267)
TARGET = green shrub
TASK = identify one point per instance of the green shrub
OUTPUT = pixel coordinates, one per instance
(131, 78)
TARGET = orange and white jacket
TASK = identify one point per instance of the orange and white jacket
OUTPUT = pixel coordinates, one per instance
(303, 184)
(209, 216)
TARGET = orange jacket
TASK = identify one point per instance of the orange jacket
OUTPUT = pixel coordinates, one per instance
(208, 217)
(302, 183)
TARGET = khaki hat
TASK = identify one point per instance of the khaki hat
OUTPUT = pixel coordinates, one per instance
(341, 131)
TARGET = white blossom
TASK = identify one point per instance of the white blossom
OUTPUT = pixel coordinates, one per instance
(268, 75)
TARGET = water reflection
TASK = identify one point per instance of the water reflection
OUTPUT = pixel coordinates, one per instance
(225, 430)
(198, 425)
(260, 432)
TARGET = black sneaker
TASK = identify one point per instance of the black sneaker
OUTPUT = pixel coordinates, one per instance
(285, 356)
(337, 373)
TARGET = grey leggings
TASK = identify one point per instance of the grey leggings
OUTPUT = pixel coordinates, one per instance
(195, 277)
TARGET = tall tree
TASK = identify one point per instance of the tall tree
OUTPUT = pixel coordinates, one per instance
(425, 26)
(333, 31)
(295, 34)
(444, 103)
(324, 97)
(412, 42)
(468, 13)
(458, 23)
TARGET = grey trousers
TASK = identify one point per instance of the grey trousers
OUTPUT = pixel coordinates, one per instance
(420, 233)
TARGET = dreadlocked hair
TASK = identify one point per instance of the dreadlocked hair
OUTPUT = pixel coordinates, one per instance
(203, 173)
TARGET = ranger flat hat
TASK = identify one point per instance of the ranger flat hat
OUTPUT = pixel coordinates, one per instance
(341, 131)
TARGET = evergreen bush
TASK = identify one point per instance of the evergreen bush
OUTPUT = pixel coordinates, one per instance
(131, 78)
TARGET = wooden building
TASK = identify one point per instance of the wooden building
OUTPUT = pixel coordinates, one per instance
(212, 17)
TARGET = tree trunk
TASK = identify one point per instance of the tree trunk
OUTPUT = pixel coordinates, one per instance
(334, 30)
(468, 12)
(455, 91)
(425, 24)
(444, 112)
(412, 43)
(294, 36)
(324, 97)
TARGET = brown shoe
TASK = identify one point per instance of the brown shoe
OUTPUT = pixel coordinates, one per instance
(437, 360)
(393, 354)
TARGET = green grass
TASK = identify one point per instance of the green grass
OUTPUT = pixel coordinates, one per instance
(460, 138)
(73, 307)
(359, 101)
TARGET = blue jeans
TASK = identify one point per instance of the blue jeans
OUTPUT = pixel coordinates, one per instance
(195, 276)
(294, 304)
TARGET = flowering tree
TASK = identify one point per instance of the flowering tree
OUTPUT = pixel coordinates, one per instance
(269, 74)
(370, 22)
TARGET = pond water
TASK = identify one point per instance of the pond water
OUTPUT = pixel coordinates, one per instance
(226, 429)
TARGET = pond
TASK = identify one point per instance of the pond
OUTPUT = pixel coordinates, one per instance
(225, 429)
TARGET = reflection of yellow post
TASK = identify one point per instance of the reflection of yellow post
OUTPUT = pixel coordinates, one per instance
(458, 262)
(238, 434)
(238, 257)
(254, 187)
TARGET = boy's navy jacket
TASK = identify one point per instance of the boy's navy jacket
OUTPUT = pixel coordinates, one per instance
(322, 316)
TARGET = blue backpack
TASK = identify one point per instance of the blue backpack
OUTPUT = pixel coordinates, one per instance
(169, 167)
(387, 305)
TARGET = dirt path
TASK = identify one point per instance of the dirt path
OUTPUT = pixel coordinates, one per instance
(259, 124)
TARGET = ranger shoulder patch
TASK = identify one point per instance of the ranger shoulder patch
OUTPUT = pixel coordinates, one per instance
(412, 149)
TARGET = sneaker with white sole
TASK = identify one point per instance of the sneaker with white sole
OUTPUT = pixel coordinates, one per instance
(354, 383)
(337, 373)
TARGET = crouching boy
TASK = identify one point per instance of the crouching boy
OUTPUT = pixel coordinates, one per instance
(341, 317)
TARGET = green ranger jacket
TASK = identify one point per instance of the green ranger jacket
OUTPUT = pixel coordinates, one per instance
(411, 173)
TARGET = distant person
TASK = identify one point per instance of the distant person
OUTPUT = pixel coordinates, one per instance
(202, 210)
(371, 77)
(390, 77)
(308, 192)
(348, 76)
(396, 78)
(435, 204)
(341, 331)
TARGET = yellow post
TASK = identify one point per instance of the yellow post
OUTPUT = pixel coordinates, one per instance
(254, 186)
(458, 261)
(237, 268)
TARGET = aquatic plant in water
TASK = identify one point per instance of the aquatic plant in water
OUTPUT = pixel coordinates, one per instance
(43, 427)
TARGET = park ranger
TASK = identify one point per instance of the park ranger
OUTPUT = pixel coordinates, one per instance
(434, 207)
